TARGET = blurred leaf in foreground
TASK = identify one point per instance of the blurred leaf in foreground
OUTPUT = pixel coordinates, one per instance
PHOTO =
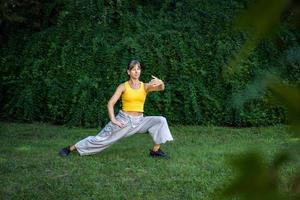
(289, 97)
(260, 19)
(256, 179)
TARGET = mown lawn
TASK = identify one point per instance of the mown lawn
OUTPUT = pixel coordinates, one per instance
(198, 165)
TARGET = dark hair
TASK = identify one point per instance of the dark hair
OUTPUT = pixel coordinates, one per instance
(132, 63)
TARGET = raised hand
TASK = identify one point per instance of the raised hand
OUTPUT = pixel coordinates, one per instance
(155, 81)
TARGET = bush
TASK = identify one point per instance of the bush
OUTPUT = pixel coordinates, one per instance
(66, 73)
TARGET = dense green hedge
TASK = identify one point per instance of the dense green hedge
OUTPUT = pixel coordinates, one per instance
(66, 73)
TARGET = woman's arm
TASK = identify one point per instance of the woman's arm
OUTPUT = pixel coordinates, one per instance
(155, 85)
(110, 105)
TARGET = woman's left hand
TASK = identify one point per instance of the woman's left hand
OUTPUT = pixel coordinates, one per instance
(155, 81)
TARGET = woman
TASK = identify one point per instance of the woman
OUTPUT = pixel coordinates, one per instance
(130, 119)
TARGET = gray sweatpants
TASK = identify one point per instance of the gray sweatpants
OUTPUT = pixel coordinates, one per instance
(157, 126)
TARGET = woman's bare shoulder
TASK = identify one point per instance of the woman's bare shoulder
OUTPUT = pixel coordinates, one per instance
(121, 87)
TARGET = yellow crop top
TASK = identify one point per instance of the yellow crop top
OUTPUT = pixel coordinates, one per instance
(133, 99)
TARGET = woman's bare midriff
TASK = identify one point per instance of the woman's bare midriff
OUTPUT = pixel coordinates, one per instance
(133, 113)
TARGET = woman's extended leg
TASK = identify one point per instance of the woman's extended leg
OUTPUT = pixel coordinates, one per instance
(105, 138)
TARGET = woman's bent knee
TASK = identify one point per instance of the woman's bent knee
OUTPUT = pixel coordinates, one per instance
(162, 120)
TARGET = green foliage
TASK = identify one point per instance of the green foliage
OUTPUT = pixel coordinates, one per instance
(66, 73)
(289, 97)
(257, 179)
(26, 16)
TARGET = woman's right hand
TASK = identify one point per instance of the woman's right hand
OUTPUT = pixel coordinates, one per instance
(118, 123)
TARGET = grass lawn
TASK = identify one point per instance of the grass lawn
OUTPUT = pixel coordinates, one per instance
(31, 168)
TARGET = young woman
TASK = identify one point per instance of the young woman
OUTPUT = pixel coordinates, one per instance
(130, 119)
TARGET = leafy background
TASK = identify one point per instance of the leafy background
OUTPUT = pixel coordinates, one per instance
(62, 60)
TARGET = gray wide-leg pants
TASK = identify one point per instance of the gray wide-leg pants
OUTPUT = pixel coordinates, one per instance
(157, 126)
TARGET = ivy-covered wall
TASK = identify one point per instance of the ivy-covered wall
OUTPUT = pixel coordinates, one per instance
(65, 73)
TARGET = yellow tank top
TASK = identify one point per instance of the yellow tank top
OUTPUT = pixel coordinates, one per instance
(133, 99)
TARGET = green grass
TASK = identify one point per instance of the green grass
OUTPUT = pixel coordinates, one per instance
(31, 168)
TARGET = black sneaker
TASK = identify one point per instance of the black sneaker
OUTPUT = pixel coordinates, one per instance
(64, 151)
(158, 153)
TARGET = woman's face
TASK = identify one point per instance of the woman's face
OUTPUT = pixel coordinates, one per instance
(135, 72)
